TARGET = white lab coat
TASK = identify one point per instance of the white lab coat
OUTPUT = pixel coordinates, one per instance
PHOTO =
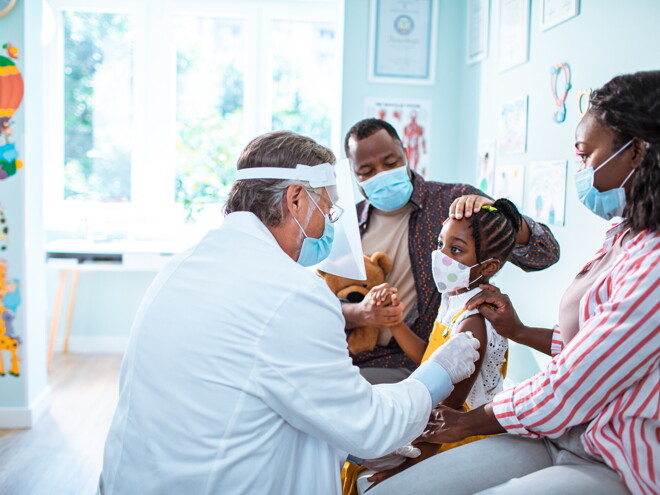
(237, 380)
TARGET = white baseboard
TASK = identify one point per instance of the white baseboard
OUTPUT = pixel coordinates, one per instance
(25, 417)
(94, 345)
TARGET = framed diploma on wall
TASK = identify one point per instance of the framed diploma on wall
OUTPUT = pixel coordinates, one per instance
(402, 41)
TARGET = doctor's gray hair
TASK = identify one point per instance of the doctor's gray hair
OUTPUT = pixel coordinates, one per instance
(264, 197)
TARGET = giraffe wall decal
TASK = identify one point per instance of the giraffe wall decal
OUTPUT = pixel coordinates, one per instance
(9, 341)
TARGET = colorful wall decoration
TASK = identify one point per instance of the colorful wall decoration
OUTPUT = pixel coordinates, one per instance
(545, 192)
(4, 230)
(10, 299)
(11, 95)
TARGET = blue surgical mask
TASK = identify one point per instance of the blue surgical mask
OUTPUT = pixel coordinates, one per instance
(313, 250)
(388, 191)
(605, 204)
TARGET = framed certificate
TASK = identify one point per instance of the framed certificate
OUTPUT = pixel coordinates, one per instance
(477, 30)
(402, 41)
(513, 33)
(555, 12)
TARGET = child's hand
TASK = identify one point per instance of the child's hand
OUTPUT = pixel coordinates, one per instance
(383, 295)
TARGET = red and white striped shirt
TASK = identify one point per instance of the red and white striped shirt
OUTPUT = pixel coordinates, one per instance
(608, 375)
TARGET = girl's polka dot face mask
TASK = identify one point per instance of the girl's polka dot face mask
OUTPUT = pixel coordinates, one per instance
(451, 275)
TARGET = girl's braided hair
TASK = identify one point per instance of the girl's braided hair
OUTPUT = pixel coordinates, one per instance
(494, 229)
(630, 106)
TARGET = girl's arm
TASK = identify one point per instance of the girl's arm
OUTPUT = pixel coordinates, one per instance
(410, 343)
(476, 325)
(408, 340)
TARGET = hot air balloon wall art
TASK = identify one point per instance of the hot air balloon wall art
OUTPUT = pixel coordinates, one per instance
(11, 95)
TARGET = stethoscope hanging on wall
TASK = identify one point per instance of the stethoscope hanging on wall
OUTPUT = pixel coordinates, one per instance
(560, 102)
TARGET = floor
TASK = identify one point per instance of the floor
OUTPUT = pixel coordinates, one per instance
(62, 454)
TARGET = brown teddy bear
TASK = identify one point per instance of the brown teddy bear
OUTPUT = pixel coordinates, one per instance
(378, 265)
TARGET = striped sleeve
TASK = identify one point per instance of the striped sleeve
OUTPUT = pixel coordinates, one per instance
(557, 343)
(617, 346)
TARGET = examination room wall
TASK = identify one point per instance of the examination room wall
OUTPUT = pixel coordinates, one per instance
(608, 37)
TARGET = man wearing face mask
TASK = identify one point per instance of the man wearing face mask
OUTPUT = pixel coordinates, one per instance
(402, 216)
(237, 378)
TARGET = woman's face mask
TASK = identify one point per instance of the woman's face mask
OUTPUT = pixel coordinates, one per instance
(605, 204)
(450, 275)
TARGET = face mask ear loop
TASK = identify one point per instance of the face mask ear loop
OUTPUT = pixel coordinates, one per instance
(627, 177)
(481, 275)
(300, 226)
(613, 156)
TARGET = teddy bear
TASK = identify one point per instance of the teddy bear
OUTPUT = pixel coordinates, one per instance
(378, 265)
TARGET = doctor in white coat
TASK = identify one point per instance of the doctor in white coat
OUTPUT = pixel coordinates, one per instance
(237, 378)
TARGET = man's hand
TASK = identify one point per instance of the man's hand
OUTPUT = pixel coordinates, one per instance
(370, 313)
(497, 308)
(457, 356)
(384, 295)
(466, 205)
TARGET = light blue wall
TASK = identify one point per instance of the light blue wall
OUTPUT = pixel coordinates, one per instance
(445, 107)
(607, 38)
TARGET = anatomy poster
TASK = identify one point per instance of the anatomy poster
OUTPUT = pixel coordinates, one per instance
(510, 183)
(545, 192)
(412, 121)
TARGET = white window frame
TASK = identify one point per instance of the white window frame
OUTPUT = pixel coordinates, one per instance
(152, 211)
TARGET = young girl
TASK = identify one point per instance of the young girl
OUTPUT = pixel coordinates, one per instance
(470, 251)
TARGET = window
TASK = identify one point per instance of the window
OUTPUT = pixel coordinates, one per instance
(151, 102)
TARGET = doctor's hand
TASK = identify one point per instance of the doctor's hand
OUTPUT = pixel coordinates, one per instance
(427, 450)
(457, 356)
(393, 459)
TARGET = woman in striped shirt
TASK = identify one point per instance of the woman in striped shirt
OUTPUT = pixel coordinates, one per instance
(589, 422)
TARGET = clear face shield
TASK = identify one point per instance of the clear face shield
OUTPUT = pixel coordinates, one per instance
(346, 258)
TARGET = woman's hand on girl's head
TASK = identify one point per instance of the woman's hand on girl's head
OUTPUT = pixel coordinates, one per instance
(466, 205)
(497, 308)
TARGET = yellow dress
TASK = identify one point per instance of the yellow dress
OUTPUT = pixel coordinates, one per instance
(439, 335)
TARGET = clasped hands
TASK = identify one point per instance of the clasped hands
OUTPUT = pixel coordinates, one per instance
(382, 307)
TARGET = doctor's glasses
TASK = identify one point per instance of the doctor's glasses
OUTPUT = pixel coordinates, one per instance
(335, 211)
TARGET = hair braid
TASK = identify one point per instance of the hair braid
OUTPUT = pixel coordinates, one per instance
(494, 230)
